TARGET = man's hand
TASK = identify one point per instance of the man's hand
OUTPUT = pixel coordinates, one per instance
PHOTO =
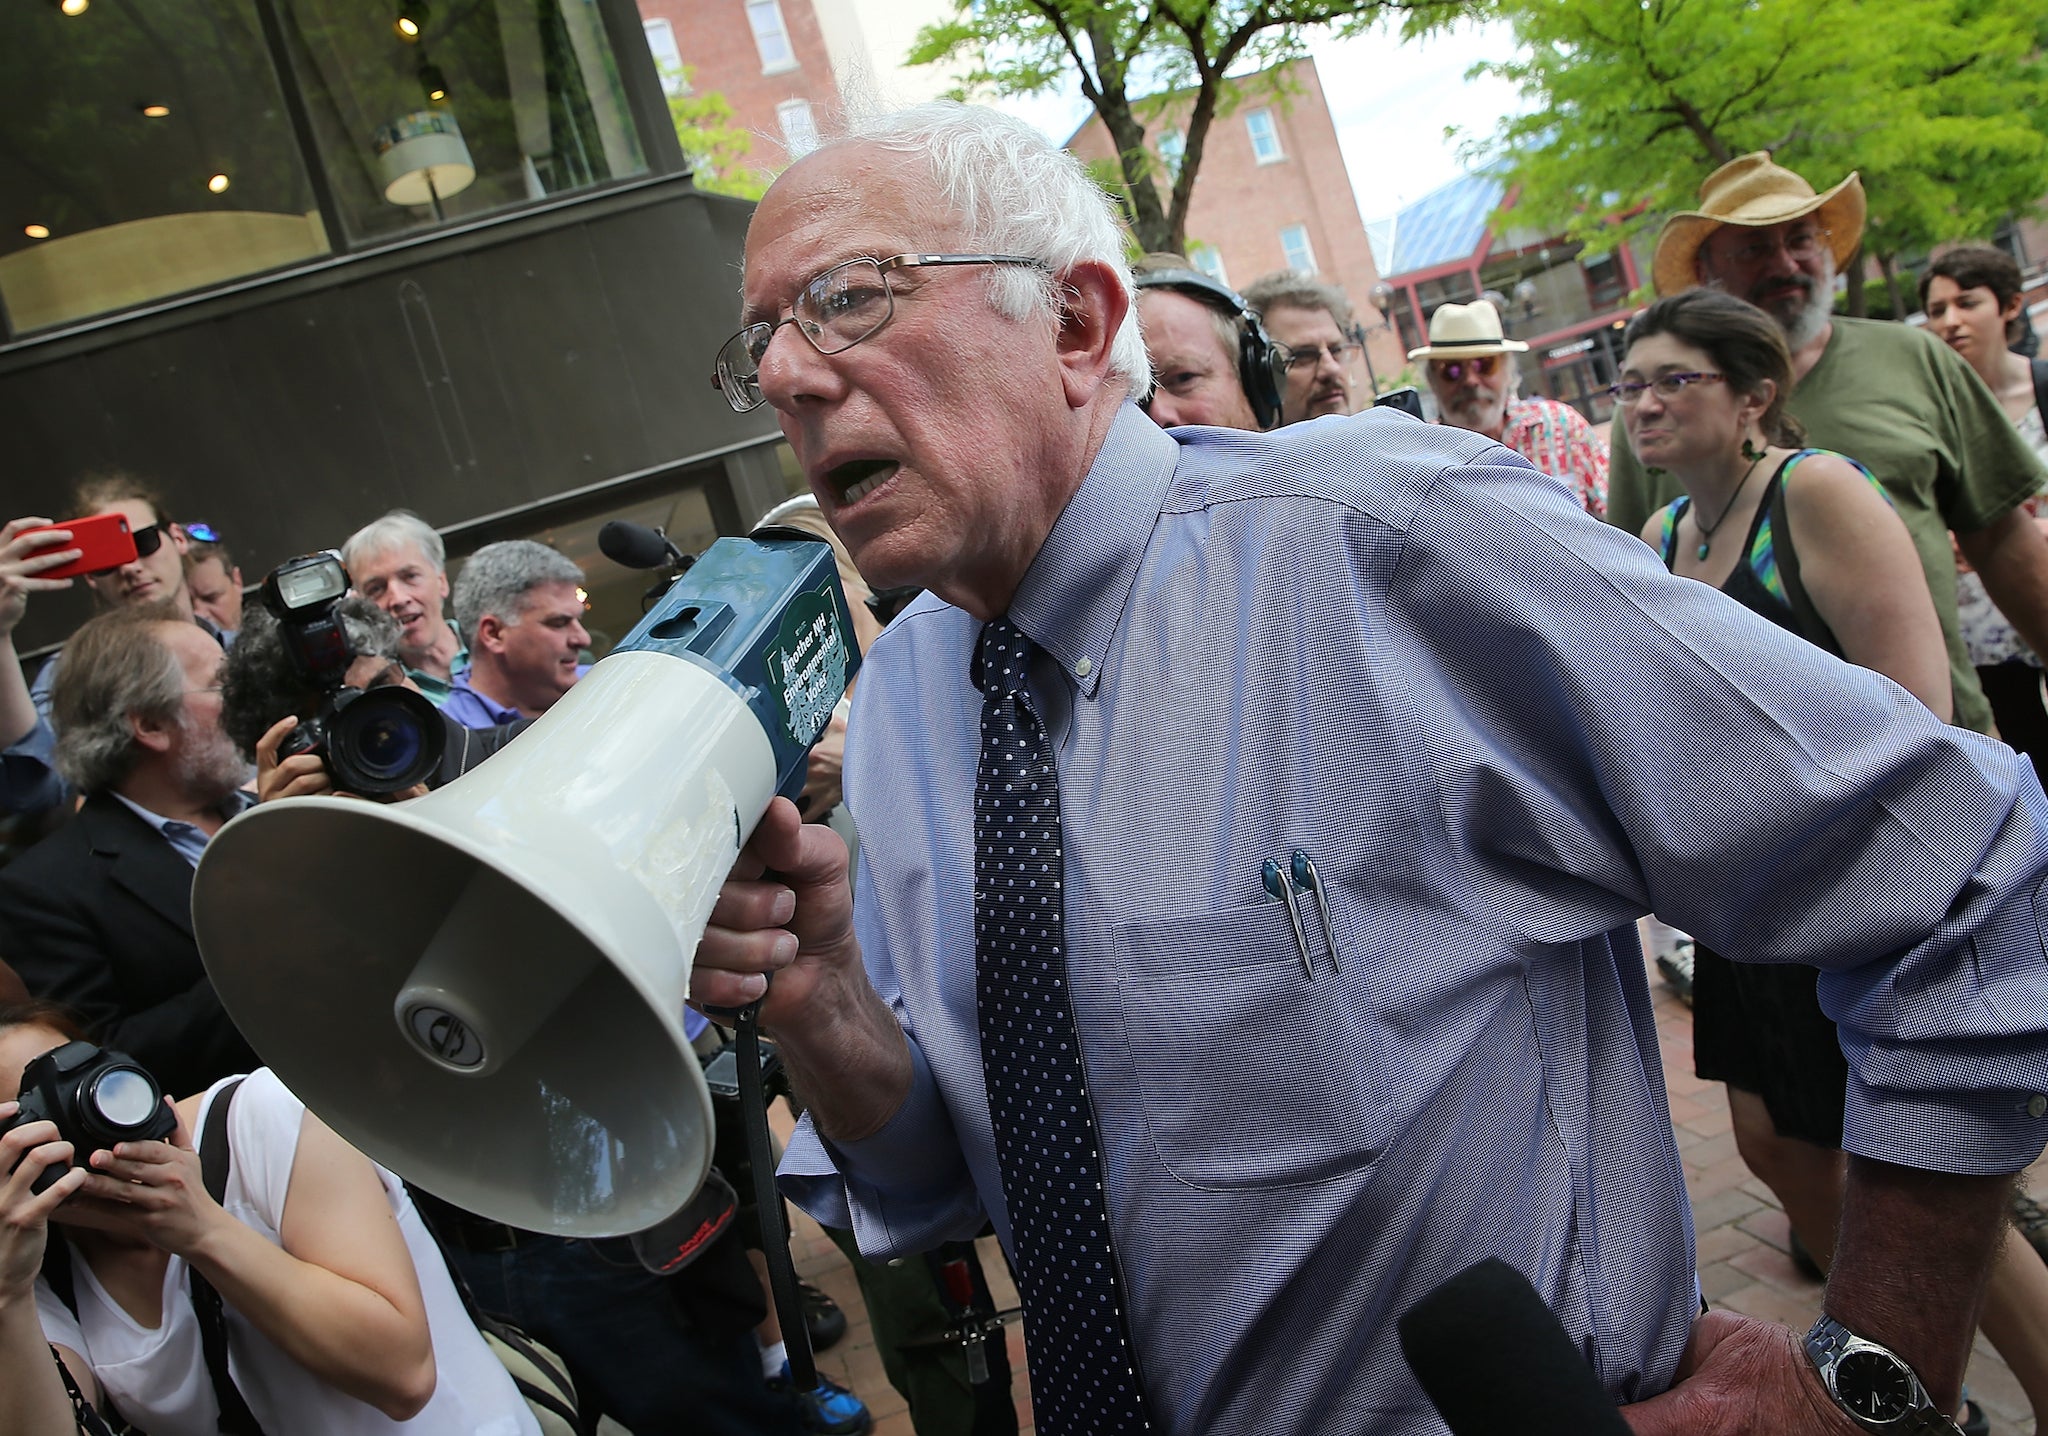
(300, 776)
(23, 559)
(787, 909)
(787, 913)
(1741, 1376)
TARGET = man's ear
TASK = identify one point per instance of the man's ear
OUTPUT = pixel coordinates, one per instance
(150, 733)
(1092, 309)
(490, 634)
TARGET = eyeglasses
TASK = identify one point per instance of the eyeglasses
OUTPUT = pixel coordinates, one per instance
(1667, 386)
(849, 302)
(149, 540)
(1300, 358)
(1455, 370)
(1800, 244)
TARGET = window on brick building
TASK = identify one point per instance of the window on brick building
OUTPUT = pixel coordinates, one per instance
(799, 127)
(1301, 256)
(668, 56)
(1205, 258)
(1265, 136)
(771, 37)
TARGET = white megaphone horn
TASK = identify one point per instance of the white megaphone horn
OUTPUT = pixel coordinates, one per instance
(483, 989)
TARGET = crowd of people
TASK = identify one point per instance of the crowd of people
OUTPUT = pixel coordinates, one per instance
(1255, 797)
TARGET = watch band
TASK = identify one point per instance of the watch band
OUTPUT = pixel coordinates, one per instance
(1828, 1341)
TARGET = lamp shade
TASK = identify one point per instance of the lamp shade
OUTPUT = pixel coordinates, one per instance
(421, 157)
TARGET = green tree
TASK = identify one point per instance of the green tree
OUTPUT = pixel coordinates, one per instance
(1179, 51)
(718, 149)
(1942, 105)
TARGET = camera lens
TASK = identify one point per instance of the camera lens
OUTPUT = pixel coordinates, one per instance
(385, 741)
(123, 1097)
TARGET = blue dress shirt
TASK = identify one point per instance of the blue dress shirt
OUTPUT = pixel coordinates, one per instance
(1502, 732)
(477, 710)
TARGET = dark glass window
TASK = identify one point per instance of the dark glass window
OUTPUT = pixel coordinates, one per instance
(145, 151)
(483, 104)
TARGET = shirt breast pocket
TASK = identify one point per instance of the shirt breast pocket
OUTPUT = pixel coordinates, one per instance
(1250, 1072)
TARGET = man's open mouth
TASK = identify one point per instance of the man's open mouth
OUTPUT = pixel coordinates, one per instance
(858, 478)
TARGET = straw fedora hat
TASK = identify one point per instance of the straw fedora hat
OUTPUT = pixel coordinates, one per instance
(1753, 192)
(1466, 331)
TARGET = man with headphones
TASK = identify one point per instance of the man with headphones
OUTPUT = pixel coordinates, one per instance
(1212, 362)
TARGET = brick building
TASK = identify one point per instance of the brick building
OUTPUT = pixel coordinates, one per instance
(1273, 192)
(768, 58)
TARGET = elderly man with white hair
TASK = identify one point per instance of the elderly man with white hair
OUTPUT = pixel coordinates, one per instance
(399, 563)
(1250, 859)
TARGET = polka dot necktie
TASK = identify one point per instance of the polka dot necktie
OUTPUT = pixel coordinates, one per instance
(1082, 1372)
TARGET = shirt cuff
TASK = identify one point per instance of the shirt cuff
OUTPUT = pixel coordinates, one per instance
(1982, 1134)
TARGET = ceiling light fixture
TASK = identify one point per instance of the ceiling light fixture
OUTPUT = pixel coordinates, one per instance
(37, 231)
(155, 112)
(412, 18)
(218, 184)
(433, 82)
(73, 7)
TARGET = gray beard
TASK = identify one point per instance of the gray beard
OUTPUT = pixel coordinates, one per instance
(209, 768)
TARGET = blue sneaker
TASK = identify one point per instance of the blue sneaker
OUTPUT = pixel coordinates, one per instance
(828, 1408)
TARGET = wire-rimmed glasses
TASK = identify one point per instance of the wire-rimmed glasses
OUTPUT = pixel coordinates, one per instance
(1303, 357)
(837, 309)
(1628, 391)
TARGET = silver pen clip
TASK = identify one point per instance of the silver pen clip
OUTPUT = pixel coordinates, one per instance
(1309, 880)
(1279, 887)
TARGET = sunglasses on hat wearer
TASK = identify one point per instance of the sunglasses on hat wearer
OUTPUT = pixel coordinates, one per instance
(1456, 369)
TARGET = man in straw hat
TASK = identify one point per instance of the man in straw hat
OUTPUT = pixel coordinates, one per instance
(1887, 394)
(1478, 388)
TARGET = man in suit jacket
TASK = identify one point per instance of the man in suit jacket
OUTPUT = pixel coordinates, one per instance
(98, 915)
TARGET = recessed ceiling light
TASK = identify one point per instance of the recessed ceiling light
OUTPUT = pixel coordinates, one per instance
(218, 184)
(407, 28)
(156, 112)
(73, 7)
(37, 231)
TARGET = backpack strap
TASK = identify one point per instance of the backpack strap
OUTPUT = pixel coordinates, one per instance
(236, 1419)
(2040, 367)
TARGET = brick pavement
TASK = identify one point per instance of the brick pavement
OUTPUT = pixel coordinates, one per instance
(1743, 1263)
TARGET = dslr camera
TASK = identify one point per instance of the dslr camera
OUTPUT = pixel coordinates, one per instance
(96, 1096)
(374, 741)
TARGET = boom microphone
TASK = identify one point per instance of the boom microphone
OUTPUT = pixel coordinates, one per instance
(1497, 1362)
(637, 546)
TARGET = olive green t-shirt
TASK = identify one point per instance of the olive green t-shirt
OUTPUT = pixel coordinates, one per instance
(1920, 419)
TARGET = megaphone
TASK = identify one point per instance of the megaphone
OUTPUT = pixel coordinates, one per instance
(483, 989)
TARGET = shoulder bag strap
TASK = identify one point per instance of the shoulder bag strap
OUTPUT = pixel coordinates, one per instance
(2040, 367)
(215, 1159)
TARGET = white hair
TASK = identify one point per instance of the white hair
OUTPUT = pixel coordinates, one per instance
(1015, 192)
(400, 526)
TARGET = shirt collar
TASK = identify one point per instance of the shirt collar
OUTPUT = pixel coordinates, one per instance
(1073, 595)
(237, 802)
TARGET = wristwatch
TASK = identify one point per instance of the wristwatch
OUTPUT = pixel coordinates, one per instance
(1874, 1385)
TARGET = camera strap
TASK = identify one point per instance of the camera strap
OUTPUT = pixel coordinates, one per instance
(236, 1419)
(789, 1311)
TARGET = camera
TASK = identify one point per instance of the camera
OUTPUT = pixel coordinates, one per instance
(96, 1096)
(374, 741)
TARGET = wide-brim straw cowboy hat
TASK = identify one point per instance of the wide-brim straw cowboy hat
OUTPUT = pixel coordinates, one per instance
(1466, 331)
(1753, 192)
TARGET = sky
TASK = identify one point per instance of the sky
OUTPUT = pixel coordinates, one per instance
(1391, 103)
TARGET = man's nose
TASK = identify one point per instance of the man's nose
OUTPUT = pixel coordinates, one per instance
(791, 367)
(1329, 365)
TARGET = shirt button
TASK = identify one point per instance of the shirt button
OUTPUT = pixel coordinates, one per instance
(1085, 667)
(2036, 1105)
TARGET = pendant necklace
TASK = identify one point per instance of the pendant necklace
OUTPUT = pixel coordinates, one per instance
(1706, 529)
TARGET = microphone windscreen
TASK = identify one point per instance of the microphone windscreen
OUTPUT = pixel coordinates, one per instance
(1497, 1362)
(633, 545)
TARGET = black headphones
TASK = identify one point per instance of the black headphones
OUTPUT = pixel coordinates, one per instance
(1261, 364)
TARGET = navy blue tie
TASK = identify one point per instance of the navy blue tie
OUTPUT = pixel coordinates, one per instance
(1083, 1373)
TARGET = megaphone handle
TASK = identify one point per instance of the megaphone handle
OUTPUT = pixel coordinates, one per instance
(803, 1373)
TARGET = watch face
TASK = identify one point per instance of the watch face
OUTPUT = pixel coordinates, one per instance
(1873, 1386)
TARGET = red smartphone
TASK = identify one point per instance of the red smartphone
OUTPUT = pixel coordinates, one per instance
(105, 542)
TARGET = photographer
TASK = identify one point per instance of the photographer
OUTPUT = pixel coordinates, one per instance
(264, 688)
(339, 1317)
